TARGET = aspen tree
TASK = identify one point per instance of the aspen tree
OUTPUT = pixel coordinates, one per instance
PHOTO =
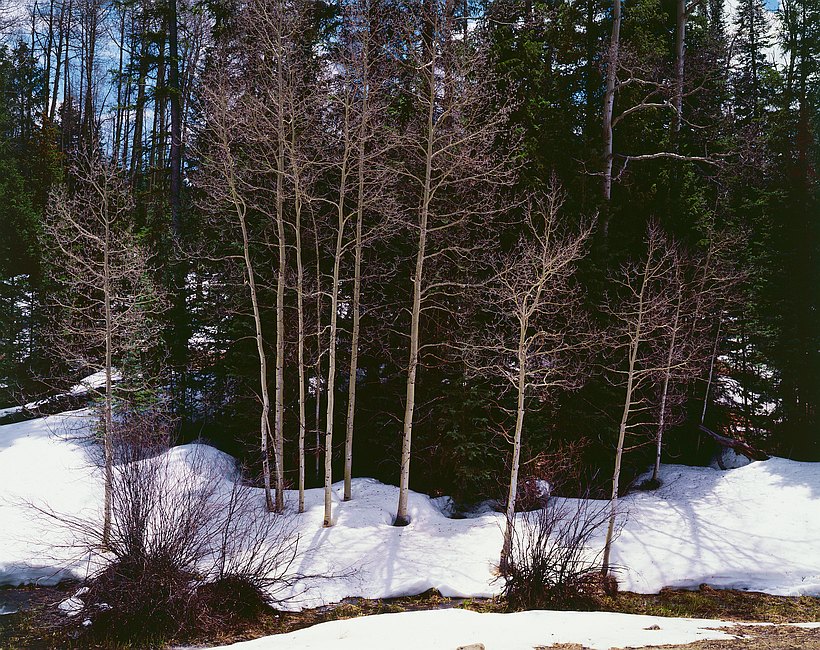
(641, 316)
(222, 183)
(537, 327)
(453, 172)
(105, 304)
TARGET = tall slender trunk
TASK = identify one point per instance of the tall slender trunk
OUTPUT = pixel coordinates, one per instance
(264, 425)
(521, 386)
(354, 338)
(609, 103)
(665, 388)
(318, 366)
(635, 342)
(300, 312)
(334, 308)
(279, 442)
(109, 420)
(279, 419)
(415, 314)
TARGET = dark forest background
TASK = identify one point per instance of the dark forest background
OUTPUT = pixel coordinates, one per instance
(715, 141)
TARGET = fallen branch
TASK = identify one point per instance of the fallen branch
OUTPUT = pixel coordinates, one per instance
(739, 446)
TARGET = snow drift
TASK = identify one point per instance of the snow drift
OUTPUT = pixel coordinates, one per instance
(755, 527)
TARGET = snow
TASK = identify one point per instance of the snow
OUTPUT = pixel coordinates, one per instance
(43, 463)
(73, 605)
(755, 527)
(449, 629)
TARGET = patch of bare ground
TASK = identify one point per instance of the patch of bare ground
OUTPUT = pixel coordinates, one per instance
(723, 604)
(39, 625)
(748, 637)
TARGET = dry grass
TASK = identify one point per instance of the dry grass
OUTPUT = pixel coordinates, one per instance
(725, 604)
(31, 628)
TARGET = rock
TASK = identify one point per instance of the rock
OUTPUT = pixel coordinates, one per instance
(472, 646)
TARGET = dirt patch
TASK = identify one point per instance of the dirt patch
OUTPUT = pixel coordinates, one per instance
(33, 626)
(762, 637)
(757, 637)
(722, 604)
(39, 626)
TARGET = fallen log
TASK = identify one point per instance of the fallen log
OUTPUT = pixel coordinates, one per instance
(739, 446)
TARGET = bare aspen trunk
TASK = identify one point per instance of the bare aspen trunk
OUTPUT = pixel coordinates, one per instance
(665, 389)
(331, 381)
(630, 380)
(108, 416)
(264, 427)
(354, 340)
(279, 440)
(319, 354)
(521, 385)
(300, 311)
(609, 101)
(279, 443)
(331, 348)
(415, 315)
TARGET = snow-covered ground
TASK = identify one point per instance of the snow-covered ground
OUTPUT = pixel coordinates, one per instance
(43, 462)
(454, 628)
(755, 527)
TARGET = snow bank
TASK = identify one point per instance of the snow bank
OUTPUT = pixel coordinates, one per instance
(755, 527)
(51, 465)
(367, 556)
(448, 629)
(44, 463)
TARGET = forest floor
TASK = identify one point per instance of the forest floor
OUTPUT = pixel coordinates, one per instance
(39, 626)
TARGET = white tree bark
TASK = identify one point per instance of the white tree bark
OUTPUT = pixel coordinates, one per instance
(609, 98)
(334, 313)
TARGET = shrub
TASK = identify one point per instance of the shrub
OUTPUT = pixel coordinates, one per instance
(228, 601)
(551, 563)
(191, 548)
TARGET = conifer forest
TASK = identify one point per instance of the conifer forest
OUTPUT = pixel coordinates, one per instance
(448, 244)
